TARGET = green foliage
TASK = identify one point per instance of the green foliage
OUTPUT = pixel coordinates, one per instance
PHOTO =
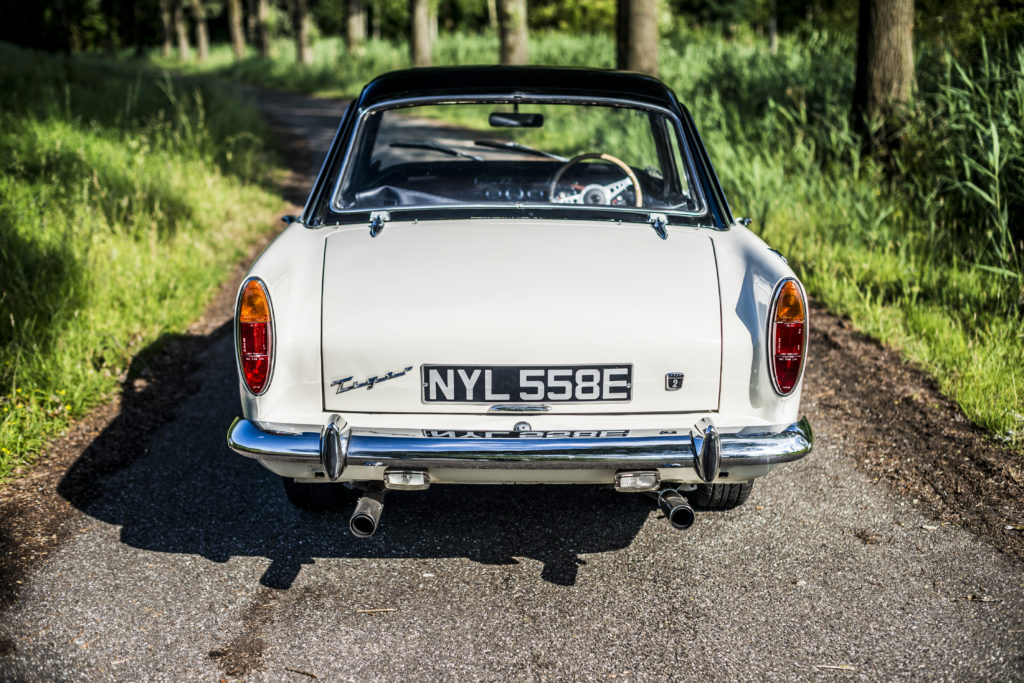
(124, 198)
(927, 259)
(963, 158)
(591, 16)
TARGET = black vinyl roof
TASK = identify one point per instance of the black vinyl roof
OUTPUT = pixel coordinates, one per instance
(508, 80)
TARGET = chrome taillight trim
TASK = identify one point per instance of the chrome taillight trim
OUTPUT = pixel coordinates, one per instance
(769, 337)
(273, 335)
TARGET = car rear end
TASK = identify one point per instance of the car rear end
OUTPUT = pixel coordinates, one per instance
(463, 305)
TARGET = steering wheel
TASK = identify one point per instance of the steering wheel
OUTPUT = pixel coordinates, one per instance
(597, 194)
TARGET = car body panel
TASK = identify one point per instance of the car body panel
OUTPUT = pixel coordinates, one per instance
(292, 265)
(520, 293)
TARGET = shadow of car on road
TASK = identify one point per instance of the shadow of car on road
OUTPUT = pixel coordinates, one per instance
(163, 473)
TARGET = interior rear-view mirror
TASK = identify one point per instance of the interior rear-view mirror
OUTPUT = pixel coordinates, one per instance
(509, 119)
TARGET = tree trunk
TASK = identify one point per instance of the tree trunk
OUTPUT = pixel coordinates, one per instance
(165, 20)
(621, 32)
(641, 35)
(181, 29)
(885, 62)
(250, 20)
(492, 14)
(355, 26)
(235, 24)
(375, 21)
(419, 32)
(773, 27)
(262, 31)
(303, 27)
(202, 33)
(512, 31)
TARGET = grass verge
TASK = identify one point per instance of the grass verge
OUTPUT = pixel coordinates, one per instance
(922, 250)
(126, 196)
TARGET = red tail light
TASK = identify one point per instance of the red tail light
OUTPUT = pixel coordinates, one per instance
(255, 336)
(788, 337)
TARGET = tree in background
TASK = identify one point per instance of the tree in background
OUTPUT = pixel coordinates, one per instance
(262, 32)
(637, 36)
(375, 22)
(250, 20)
(512, 31)
(168, 29)
(181, 30)
(492, 14)
(303, 26)
(621, 32)
(432, 22)
(355, 25)
(111, 25)
(419, 32)
(235, 27)
(885, 65)
(202, 32)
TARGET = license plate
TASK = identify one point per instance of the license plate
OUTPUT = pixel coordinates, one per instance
(526, 383)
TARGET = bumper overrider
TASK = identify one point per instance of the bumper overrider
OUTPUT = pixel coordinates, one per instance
(702, 448)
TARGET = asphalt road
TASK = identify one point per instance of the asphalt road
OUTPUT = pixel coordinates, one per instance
(190, 564)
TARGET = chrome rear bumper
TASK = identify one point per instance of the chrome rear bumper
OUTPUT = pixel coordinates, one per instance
(703, 448)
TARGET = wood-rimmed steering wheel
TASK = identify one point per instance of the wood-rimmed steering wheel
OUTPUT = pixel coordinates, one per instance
(597, 194)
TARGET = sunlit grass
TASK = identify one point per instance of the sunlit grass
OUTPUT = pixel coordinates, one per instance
(922, 251)
(125, 198)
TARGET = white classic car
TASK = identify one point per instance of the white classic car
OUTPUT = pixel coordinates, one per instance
(510, 275)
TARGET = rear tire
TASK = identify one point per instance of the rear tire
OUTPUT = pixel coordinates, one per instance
(719, 496)
(316, 497)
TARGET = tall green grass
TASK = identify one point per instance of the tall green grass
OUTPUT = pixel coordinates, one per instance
(125, 198)
(922, 249)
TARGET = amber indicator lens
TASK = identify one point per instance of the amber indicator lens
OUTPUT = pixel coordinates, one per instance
(788, 337)
(254, 307)
(254, 336)
(791, 304)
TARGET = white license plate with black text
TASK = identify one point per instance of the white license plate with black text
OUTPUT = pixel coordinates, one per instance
(529, 383)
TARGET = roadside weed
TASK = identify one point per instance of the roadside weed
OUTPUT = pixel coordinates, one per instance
(125, 198)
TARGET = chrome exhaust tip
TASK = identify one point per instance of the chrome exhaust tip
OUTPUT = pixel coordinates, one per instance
(366, 517)
(676, 508)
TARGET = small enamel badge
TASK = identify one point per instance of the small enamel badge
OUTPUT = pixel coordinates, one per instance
(673, 381)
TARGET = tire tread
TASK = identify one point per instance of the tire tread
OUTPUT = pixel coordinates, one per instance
(720, 496)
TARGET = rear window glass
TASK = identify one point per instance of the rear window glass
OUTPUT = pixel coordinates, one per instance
(527, 153)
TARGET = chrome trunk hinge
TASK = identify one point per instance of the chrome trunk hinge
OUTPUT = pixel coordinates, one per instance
(659, 222)
(377, 221)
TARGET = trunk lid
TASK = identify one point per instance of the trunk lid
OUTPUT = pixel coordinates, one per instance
(519, 293)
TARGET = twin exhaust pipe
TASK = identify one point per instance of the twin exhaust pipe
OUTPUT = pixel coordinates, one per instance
(676, 508)
(705, 443)
(366, 517)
